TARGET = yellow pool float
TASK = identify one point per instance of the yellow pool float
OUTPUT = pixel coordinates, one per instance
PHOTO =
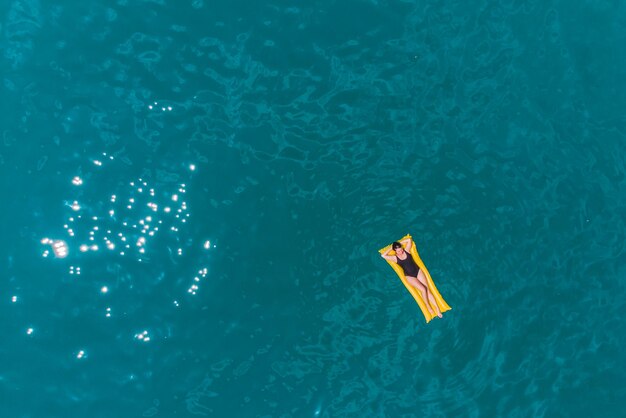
(443, 306)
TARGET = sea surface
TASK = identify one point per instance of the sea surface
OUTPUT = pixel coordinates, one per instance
(194, 193)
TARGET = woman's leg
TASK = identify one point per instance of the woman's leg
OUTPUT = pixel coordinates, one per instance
(423, 290)
(421, 277)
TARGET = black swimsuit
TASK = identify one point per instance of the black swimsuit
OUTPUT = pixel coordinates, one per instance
(408, 265)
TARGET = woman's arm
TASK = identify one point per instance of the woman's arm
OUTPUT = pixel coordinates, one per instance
(407, 244)
(389, 257)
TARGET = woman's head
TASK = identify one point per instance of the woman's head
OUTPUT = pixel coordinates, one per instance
(397, 247)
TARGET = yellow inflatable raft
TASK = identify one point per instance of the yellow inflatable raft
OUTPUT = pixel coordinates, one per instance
(443, 306)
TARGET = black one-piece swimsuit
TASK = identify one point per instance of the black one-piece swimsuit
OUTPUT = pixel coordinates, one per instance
(408, 265)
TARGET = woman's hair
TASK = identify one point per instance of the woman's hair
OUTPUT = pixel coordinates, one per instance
(396, 245)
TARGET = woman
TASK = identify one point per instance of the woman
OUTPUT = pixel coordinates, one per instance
(412, 272)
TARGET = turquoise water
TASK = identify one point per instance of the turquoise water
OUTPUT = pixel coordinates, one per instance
(299, 138)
